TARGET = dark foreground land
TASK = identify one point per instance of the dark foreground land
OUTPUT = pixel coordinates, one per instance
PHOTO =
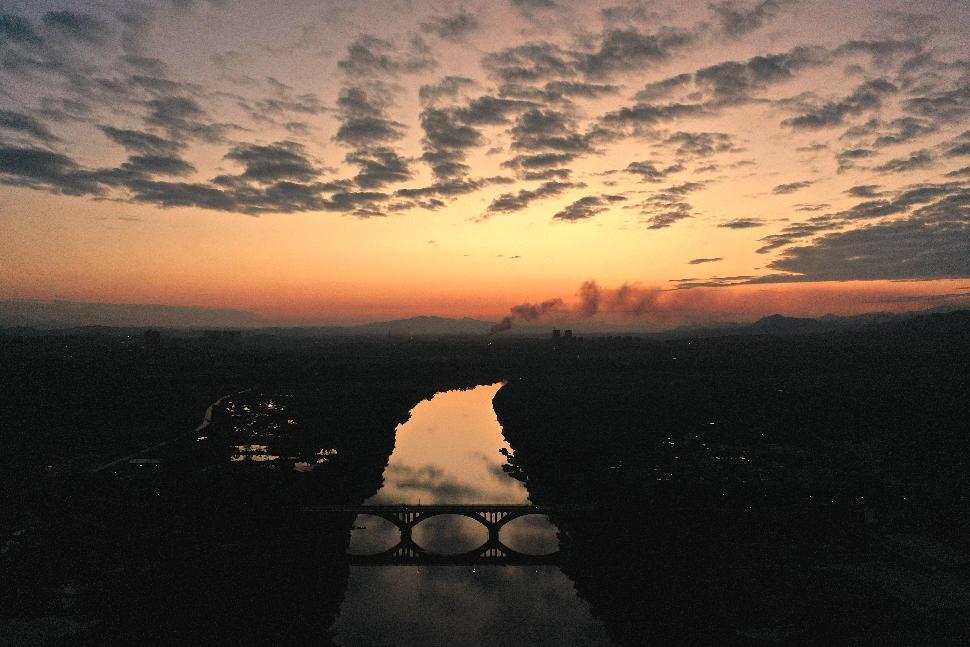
(749, 490)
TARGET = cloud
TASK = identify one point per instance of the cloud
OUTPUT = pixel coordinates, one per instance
(364, 121)
(16, 29)
(540, 161)
(867, 96)
(21, 123)
(587, 207)
(142, 142)
(520, 200)
(284, 160)
(698, 261)
(932, 244)
(958, 150)
(916, 160)
(737, 21)
(864, 191)
(378, 167)
(702, 144)
(648, 170)
(454, 28)
(663, 88)
(742, 223)
(80, 26)
(36, 168)
(158, 165)
(847, 157)
(490, 110)
(783, 189)
(735, 82)
(548, 130)
(667, 206)
(643, 115)
(370, 56)
(183, 118)
(447, 87)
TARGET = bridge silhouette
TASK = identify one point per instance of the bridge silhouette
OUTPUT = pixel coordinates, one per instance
(406, 517)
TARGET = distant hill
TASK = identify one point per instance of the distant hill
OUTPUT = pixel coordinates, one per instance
(425, 326)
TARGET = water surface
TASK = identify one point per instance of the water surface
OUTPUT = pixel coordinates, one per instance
(449, 452)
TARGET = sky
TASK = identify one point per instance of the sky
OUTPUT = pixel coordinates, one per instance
(324, 162)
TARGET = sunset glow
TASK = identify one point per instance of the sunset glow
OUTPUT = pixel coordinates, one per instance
(320, 162)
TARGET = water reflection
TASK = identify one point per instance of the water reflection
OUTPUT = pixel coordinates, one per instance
(448, 452)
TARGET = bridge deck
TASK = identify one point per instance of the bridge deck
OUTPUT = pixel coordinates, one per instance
(444, 508)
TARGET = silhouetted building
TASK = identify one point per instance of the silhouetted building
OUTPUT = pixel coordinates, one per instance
(556, 334)
(568, 334)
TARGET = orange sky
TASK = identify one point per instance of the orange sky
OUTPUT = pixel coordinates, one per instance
(246, 102)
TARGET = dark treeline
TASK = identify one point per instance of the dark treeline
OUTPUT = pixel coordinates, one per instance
(747, 490)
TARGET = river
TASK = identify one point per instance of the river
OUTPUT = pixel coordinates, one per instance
(449, 452)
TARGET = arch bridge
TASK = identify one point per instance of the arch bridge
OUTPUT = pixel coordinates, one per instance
(406, 517)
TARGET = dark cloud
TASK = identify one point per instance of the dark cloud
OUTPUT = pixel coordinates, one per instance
(663, 88)
(488, 110)
(587, 207)
(742, 223)
(916, 160)
(617, 50)
(80, 26)
(183, 118)
(158, 165)
(540, 161)
(881, 52)
(370, 56)
(666, 207)
(141, 142)
(963, 172)
(738, 21)
(627, 49)
(698, 261)
(548, 130)
(21, 123)
(651, 171)
(520, 200)
(864, 191)
(904, 129)
(378, 167)
(556, 89)
(900, 204)
(16, 29)
(447, 87)
(364, 121)
(454, 28)
(283, 160)
(847, 157)
(932, 244)
(452, 188)
(643, 115)
(702, 144)
(36, 168)
(947, 105)
(791, 187)
(959, 149)
(446, 141)
(867, 96)
(530, 62)
(528, 8)
(735, 82)
(547, 174)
